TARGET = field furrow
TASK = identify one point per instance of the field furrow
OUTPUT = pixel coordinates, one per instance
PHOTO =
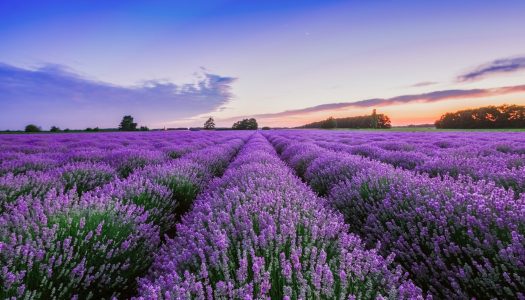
(477, 156)
(259, 232)
(95, 242)
(457, 238)
(279, 214)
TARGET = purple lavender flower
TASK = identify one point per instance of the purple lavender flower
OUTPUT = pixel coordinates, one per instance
(453, 234)
(157, 200)
(62, 246)
(84, 176)
(258, 232)
(128, 160)
(35, 184)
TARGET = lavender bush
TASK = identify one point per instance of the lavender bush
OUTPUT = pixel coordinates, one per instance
(62, 247)
(459, 239)
(402, 215)
(187, 176)
(35, 184)
(478, 155)
(456, 237)
(157, 200)
(56, 245)
(258, 232)
(84, 176)
(128, 160)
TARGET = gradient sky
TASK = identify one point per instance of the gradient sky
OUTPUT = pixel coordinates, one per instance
(83, 64)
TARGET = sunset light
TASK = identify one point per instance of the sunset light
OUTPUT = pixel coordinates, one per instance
(262, 149)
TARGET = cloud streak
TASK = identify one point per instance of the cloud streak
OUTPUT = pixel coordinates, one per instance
(499, 66)
(53, 94)
(404, 99)
(423, 83)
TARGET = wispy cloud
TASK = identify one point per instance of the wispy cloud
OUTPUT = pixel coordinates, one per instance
(404, 99)
(53, 94)
(423, 83)
(505, 65)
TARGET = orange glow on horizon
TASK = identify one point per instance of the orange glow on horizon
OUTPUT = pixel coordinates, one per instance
(401, 114)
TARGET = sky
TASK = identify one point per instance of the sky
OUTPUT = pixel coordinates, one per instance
(78, 64)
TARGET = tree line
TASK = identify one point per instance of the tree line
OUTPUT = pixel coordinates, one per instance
(504, 116)
(369, 121)
(245, 124)
(128, 124)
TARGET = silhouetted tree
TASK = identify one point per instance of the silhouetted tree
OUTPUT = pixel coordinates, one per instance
(252, 124)
(127, 124)
(32, 128)
(374, 119)
(209, 124)
(329, 123)
(383, 121)
(144, 128)
(371, 121)
(245, 124)
(504, 116)
(54, 129)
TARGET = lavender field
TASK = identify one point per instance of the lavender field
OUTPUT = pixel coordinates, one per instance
(297, 214)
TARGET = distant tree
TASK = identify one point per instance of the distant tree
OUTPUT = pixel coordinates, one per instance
(144, 128)
(370, 121)
(374, 119)
(504, 116)
(67, 130)
(127, 124)
(239, 125)
(245, 124)
(54, 129)
(329, 123)
(209, 124)
(96, 129)
(265, 128)
(382, 121)
(252, 124)
(32, 128)
(89, 129)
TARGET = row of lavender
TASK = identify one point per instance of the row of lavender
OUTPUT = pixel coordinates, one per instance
(83, 230)
(35, 164)
(20, 154)
(477, 155)
(458, 238)
(259, 233)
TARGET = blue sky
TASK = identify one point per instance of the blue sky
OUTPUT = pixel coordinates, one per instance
(82, 64)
